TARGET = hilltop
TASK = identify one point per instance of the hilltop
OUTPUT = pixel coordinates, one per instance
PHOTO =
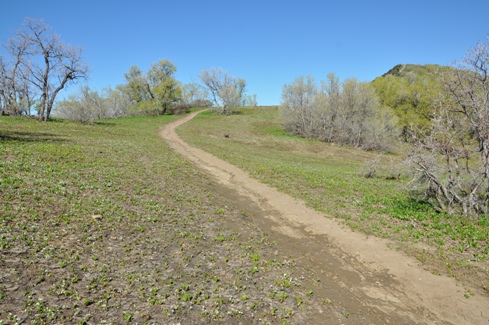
(404, 70)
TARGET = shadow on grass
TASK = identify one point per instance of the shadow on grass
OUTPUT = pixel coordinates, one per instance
(104, 123)
(30, 137)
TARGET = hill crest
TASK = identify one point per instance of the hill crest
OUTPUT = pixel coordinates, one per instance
(402, 70)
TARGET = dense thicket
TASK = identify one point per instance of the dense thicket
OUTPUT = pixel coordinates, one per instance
(451, 156)
(347, 113)
(88, 105)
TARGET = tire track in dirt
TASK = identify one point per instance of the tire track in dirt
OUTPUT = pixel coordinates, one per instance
(363, 271)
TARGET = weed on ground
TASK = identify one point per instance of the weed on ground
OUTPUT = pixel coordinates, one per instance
(103, 224)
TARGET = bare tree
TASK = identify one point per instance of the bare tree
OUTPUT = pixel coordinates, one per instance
(251, 101)
(117, 102)
(452, 159)
(49, 63)
(214, 79)
(84, 107)
(4, 88)
(194, 95)
(226, 91)
(14, 88)
(87, 105)
(329, 104)
(298, 105)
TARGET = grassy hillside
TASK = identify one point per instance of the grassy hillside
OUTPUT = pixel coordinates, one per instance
(331, 179)
(103, 224)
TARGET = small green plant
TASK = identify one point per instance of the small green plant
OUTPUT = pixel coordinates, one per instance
(255, 257)
(282, 296)
(127, 316)
(186, 296)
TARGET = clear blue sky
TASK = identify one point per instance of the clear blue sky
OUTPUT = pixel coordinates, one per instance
(268, 43)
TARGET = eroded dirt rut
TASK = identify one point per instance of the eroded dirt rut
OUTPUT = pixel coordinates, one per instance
(361, 272)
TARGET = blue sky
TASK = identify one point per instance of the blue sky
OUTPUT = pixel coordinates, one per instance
(268, 43)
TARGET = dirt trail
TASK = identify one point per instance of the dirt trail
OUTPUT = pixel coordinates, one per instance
(363, 272)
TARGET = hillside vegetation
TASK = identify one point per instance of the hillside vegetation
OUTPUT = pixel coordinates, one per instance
(436, 116)
(331, 179)
(409, 89)
(347, 113)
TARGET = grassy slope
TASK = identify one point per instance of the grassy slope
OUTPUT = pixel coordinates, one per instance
(104, 224)
(329, 178)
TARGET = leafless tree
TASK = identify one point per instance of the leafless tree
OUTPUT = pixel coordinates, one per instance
(452, 159)
(298, 105)
(14, 88)
(194, 95)
(46, 62)
(88, 105)
(251, 101)
(226, 91)
(117, 102)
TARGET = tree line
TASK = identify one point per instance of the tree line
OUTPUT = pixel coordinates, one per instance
(38, 65)
(345, 113)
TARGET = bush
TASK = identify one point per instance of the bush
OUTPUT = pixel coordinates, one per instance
(347, 114)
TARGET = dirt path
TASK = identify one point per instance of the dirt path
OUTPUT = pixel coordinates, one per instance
(362, 271)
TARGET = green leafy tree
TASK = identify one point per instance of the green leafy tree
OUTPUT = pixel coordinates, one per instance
(156, 92)
(136, 87)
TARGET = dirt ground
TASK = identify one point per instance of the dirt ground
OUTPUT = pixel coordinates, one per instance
(362, 273)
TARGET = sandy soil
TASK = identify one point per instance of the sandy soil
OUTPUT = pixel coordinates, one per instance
(361, 272)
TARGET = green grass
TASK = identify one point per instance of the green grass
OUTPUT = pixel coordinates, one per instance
(104, 223)
(331, 180)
